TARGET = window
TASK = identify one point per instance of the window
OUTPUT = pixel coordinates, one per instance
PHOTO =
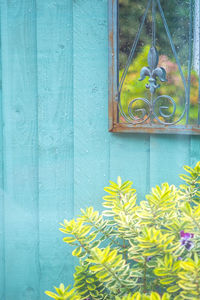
(154, 54)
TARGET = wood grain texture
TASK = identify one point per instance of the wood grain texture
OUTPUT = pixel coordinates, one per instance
(129, 158)
(91, 137)
(56, 153)
(168, 154)
(194, 150)
(2, 219)
(55, 125)
(19, 102)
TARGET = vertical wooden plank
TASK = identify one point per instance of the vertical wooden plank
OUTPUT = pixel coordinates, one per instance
(54, 46)
(194, 150)
(91, 137)
(19, 90)
(2, 227)
(168, 154)
(129, 158)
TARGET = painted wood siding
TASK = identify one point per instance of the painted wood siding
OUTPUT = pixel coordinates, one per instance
(56, 153)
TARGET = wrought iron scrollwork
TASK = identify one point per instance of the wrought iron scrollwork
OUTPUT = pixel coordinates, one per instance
(153, 108)
(139, 115)
(153, 71)
(164, 110)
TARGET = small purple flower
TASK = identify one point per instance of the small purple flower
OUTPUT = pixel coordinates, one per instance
(179, 258)
(189, 245)
(186, 235)
(149, 258)
(186, 239)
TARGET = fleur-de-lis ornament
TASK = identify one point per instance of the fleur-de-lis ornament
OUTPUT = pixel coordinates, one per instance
(153, 71)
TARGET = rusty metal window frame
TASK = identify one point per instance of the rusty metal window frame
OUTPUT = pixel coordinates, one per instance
(114, 124)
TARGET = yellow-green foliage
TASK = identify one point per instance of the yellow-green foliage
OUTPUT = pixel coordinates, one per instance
(149, 250)
(63, 293)
(87, 284)
(189, 278)
(138, 296)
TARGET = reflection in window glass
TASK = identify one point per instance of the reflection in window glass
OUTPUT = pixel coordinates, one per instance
(159, 71)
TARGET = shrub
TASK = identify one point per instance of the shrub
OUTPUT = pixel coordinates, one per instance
(149, 250)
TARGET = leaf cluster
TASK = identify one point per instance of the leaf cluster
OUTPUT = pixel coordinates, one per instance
(149, 250)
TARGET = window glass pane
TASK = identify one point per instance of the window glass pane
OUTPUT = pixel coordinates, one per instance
(168, 33)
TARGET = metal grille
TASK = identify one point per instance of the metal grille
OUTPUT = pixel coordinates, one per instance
(154, 109)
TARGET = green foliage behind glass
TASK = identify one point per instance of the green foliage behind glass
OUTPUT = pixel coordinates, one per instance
(130, 15)
(133, 88)
(149, 250)
(177, 16)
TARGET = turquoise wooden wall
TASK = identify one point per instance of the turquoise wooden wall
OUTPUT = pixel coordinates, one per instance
(56, 152)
